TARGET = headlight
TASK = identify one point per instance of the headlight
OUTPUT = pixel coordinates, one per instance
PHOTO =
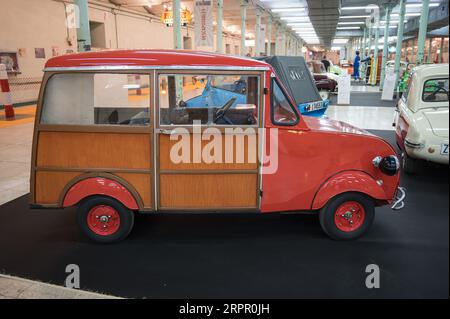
(389, 165)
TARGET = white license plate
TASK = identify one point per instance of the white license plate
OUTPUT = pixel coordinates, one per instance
(444, 149)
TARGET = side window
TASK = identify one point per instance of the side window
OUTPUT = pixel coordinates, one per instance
(208, 99)
(97, 98)
(436, 90)
(282, 111)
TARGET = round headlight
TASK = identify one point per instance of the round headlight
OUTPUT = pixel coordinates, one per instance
(390, 165)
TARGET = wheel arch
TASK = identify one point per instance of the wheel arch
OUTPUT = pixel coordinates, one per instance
(348, 182)
(91, 184)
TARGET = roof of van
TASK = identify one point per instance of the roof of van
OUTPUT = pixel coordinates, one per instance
(152, 58)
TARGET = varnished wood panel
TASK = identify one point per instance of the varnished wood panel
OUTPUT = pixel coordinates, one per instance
(143, 185)
(165, 146)
(94, 150)
(208, 191)
(49, 186)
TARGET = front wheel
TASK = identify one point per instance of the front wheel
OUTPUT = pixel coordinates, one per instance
(347, 216)
(104, 219)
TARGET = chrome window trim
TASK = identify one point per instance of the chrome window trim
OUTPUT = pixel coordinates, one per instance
(137, 68)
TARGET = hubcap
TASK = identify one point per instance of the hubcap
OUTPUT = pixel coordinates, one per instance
(349, 216)
(103, 220)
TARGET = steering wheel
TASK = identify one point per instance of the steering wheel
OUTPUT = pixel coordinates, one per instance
(432, 96)
(220, 113)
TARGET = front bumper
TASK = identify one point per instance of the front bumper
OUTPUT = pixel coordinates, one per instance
(399, 200)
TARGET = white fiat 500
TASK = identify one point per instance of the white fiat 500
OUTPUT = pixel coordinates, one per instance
(422, 118)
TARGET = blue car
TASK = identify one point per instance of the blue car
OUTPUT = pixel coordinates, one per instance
(219, 95)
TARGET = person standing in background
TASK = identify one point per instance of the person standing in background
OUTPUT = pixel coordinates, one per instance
(356, 63)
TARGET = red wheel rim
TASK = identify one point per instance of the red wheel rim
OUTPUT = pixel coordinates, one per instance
(349, 216)
(103, 220)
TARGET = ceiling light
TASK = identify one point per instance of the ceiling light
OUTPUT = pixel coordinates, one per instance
(369, 7)
(347, 23)
(354, 17)
(348, 28)
(296, 19)
(340, 41)
(279, 10)
(419, 5)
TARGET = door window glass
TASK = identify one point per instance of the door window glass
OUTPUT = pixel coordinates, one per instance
(208, 99)
(283, 112)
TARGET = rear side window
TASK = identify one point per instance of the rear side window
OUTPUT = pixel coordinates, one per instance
(436, 90)
(97, 99)
(282, 111)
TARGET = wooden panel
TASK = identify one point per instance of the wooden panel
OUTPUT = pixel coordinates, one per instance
(143, 185)
(49, 185)
(94, 150)
(250, 156)
(208, 191)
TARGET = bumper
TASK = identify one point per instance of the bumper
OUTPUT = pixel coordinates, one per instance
(399, 200)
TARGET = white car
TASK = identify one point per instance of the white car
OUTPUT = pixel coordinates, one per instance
(422, 118)
(390, 65)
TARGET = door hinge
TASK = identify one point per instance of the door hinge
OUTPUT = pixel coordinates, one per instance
(260, 193)
(266, 91)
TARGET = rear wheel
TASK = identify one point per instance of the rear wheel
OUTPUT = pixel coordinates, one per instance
(347, 216)
(410, 165)
(104, 219)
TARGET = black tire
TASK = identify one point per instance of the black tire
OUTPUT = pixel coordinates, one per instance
(411, 166)
(126, 219)
(327, 216)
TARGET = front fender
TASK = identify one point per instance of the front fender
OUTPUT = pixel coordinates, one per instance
(99, 186)
(348, 181)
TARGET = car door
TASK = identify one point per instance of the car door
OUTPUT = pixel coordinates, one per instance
(206, 147)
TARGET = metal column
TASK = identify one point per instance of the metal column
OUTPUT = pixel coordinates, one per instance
(243, 26)
(219, 26)
(400, 29)
(177, 36)
(269, 36)
(83, 30)
(422, 31)
(258, 33)
(388, 11)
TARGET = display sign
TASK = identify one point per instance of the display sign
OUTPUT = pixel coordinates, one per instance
(344, 88)
(204, 32)
(262, 39)
(167, 17)
(389, 85)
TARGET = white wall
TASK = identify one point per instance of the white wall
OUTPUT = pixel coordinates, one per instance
(31, 24)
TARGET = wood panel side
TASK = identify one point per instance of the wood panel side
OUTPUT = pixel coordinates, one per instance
(143, 185)
(49, 186)
(178, 191)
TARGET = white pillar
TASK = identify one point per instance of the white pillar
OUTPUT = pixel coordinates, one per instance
(219, 31)
(258, 48)
(243, 26)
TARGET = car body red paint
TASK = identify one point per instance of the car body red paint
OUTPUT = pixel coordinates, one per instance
(99, 186)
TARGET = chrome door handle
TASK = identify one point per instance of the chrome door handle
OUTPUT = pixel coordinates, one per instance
(163, 131)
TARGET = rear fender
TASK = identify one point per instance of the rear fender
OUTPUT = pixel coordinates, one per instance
(348, 181)
(99, 186)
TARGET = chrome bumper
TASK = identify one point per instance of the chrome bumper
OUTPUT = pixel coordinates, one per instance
(399, 201)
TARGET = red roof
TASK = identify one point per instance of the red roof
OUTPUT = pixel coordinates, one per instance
(151, 58)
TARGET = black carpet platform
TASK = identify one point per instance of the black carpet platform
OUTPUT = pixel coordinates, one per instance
(242, 256)
(365, 99)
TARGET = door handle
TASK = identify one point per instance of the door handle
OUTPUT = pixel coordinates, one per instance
(163, 131)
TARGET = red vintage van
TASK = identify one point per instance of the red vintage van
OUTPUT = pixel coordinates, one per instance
(117, 133)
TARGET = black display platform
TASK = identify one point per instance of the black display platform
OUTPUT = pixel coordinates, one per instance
(242, 256)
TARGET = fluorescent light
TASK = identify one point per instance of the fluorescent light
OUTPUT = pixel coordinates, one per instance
(347, 23)
(335, 48)
(369, 7)
(279, 10)
(348, 28)
(354, 17)
(296, 19)
(340, 41)
(419, 5)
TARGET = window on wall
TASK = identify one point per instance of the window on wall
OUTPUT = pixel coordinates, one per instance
(283, 112)
(97, 98)
(208, 99)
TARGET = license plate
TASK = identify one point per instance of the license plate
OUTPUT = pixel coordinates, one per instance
(444, 149)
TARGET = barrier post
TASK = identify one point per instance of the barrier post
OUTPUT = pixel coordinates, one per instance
(6, 98)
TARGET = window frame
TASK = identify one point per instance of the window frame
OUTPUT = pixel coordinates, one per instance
(207, 72)
(94, 128)
(423, 90)
(272, 109)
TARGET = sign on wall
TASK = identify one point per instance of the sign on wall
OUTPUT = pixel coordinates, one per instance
(204, 33)
(262, 40)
